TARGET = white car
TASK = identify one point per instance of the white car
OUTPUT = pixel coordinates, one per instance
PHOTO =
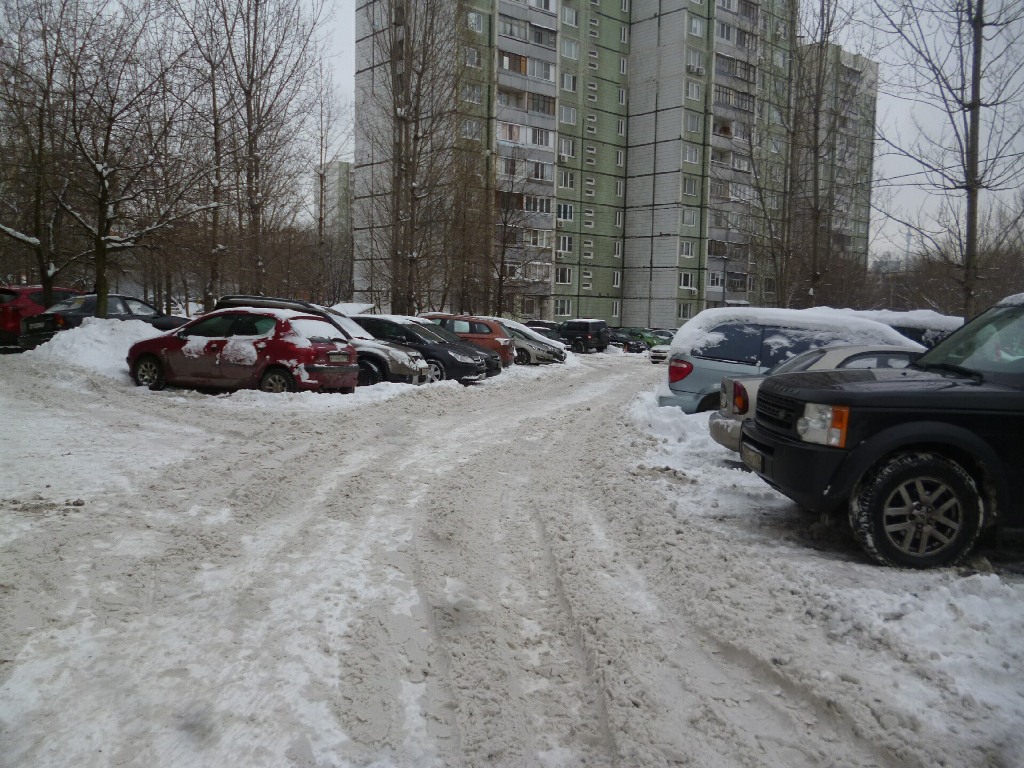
(738, 396)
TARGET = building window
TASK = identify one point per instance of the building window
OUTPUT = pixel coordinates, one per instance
(536, 204)
(684, 310)
(617, 250)
(693, 122)
(543, 104)
(567, 115)
(472, 93)
(563, 307)
(508, 166)
(691, 154)
(509, 27)
(689, 217)
(615, 308)
(622, 68)
(616, 279)
(696, 26)
(620, 188)
(693, 91)
(567, 147)
(563, 275)
(689, 186)
(618, 219)
(620, 158)
(539, 238)
(542, 171)
(686, 280)
(570, 16)
(624, 34)
(622, 94)
(565, 212)
(565, 243)
(724, 31)
(544, 5)
(543, 36)
(570, 48)
(694, 60)
(543, 70)
(769, 285)
(567, 179)
(542, 137)
(512, 62)
(620, 127)
(686, 249)
(715, 280)
(473, 58)
(471, 129)
(569, 82)
(475, 21)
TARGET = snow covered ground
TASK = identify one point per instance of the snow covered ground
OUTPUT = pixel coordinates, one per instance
(541, 570)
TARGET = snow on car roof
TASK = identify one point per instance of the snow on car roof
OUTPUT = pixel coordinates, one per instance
(856, 329)
(915, 318)
(280, 314)
(1012, 301)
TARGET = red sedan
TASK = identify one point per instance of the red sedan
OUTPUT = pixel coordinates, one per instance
(274, 350)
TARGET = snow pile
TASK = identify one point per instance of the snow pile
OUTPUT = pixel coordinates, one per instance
(98, 344)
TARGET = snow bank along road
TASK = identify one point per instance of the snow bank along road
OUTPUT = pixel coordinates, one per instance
(449, 576)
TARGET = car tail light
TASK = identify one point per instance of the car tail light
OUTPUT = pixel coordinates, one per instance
(60, 321)
(740, 399)
(679, 370)
(8, 319)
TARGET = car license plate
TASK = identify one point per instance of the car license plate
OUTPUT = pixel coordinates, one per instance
(752, 457)
(337, 357)
(32, 326)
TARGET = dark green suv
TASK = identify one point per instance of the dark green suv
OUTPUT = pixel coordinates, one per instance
(921, 459)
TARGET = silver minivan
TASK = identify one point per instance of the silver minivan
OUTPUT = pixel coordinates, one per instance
(748, 341)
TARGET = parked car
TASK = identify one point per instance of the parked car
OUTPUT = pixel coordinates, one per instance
(274, 350)
(550, 334)
(492, 358)
(18, 302)
(617, 337)
(925, 326)
(749, 341)
(482, 331)
(445, 359)
(738, 396)
(642, 334)
(922, 459)
(659, 353)
(70, 313)
(532, 347)
(663, 335)
(550, 325)
(585, 335)
(379, 361)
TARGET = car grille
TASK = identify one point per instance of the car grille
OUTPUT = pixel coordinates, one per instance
(777, 411)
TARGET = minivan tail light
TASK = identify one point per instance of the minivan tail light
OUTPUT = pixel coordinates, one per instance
(740, 399)
(679, 370)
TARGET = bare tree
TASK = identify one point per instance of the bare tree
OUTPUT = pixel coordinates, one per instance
(961, 66)
(29, 87)
(407, 127)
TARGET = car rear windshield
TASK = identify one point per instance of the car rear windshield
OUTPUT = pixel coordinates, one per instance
(6, 296)
(314, 329)
(74, 303)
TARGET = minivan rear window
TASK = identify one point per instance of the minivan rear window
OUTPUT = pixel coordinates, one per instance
(738, 343)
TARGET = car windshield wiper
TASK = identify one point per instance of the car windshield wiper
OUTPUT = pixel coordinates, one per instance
(952, 368)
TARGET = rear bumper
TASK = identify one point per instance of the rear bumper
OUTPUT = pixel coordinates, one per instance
(33, 340)
(329, 377)
(725, 431)
(686, 401)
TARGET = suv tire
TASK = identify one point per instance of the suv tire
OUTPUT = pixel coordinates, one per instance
(916, 510)
(370, 372)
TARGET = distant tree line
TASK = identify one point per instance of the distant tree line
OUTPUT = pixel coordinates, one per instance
(170, 146)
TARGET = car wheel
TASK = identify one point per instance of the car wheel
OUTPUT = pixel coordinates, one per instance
(579, 346)
(277, 380)
(522, 357)
(149, 372)
(370, 372)
(435, 371)
(917, 510)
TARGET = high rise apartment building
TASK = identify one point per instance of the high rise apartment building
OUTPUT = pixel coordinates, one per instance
(644, 141)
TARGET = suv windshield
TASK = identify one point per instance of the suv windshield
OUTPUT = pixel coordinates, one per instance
(991, 344)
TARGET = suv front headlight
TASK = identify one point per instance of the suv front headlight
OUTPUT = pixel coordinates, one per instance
(824, 424)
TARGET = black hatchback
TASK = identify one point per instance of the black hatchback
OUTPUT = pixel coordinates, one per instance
(71, 312)
(445, 360)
